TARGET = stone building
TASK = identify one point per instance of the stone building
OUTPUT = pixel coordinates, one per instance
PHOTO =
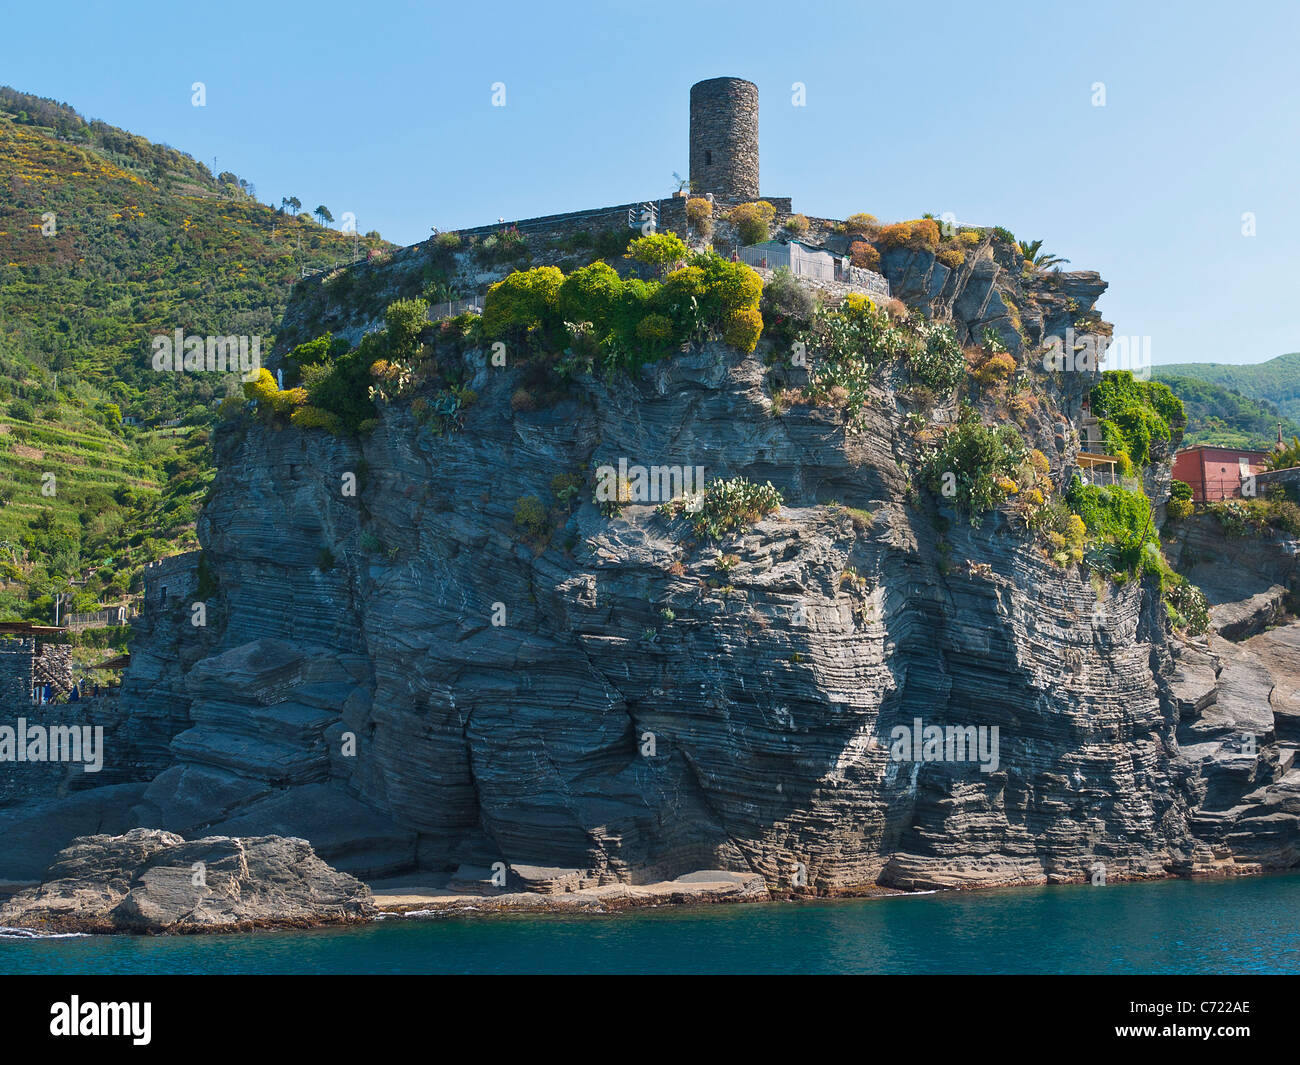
(170, 579)
(28, 665)
(724, 139)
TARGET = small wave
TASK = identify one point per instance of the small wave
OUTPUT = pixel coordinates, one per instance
(417, 913)
(28, 933)
(908, 894)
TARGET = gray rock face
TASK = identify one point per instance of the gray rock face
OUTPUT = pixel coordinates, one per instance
(152, 881)
(769, 690)
(405, 679)
(1248, 580)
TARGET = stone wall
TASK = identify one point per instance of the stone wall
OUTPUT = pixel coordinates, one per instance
(16, 672)
(1288, 478)
(25, 662)
(52, 665)
(25, 781)
(670, 211)
(724, 138)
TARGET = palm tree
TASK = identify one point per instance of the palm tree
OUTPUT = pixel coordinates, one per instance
(1039, 260)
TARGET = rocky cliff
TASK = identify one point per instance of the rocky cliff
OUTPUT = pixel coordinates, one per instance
(409, 679)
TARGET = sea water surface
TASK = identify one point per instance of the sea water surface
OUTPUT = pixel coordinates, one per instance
(1245, 925)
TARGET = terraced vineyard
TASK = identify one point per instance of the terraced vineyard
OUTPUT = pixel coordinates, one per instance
(105, 241)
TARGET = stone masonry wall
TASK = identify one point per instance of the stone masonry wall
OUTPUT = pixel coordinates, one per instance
(52, 665)
(671, 216)
(24, 662)
(16, 672)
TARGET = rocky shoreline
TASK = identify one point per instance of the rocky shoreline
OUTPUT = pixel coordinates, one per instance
(146, 882)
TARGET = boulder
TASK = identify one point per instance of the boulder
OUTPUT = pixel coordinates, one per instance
(152, 881)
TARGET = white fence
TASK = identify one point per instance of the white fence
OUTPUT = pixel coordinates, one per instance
(99, 619)
(793, 258)
(455, 307)
(818, 267)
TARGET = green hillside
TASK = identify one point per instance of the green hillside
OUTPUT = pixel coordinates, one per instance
(1223, 416)
(105, 241)
(1277, 381)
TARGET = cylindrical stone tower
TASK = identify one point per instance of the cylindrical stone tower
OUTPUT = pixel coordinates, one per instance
(724, 139)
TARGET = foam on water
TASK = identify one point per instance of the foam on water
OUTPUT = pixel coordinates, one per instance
(28, 933)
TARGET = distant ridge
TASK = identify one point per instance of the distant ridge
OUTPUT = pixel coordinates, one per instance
(107, 239)
(1226, 418)
(1276, 381)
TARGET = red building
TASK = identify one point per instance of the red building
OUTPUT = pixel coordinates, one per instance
(1217, 472)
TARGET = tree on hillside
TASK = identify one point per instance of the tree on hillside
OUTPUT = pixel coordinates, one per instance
(323, 215)
(295, 203)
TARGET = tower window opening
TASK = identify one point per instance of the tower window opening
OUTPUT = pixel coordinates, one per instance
(708, 158)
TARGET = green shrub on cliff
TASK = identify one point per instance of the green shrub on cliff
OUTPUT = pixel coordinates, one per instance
(753, 221)
(632, 320)
(525, 299)
(845, 347)
(406, 321)
(1188, 608)
(309, 417)
(937, 360)
(1136, 416)
(1243, 517)
(975, 466)
(726, 506)
(503, 246)
(787, 306)
(659, 250)
(699, 213)
(1120, 524)
(533, 519)
(270, 398)
(321, 350)
(1180, 503)
(1111, 512)
(343, 387)
(743, 328)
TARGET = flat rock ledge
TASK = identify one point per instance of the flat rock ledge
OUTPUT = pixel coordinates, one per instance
(148, 881)
(456, 897)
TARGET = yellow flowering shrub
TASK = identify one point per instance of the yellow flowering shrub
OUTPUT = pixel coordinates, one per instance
(743, 328)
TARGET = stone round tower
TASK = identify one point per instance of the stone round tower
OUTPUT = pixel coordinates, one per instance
(724, 139)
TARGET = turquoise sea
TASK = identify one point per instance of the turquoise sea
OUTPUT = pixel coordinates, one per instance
(1247, 925)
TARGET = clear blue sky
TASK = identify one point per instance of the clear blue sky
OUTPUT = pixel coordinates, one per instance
(985, 110)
